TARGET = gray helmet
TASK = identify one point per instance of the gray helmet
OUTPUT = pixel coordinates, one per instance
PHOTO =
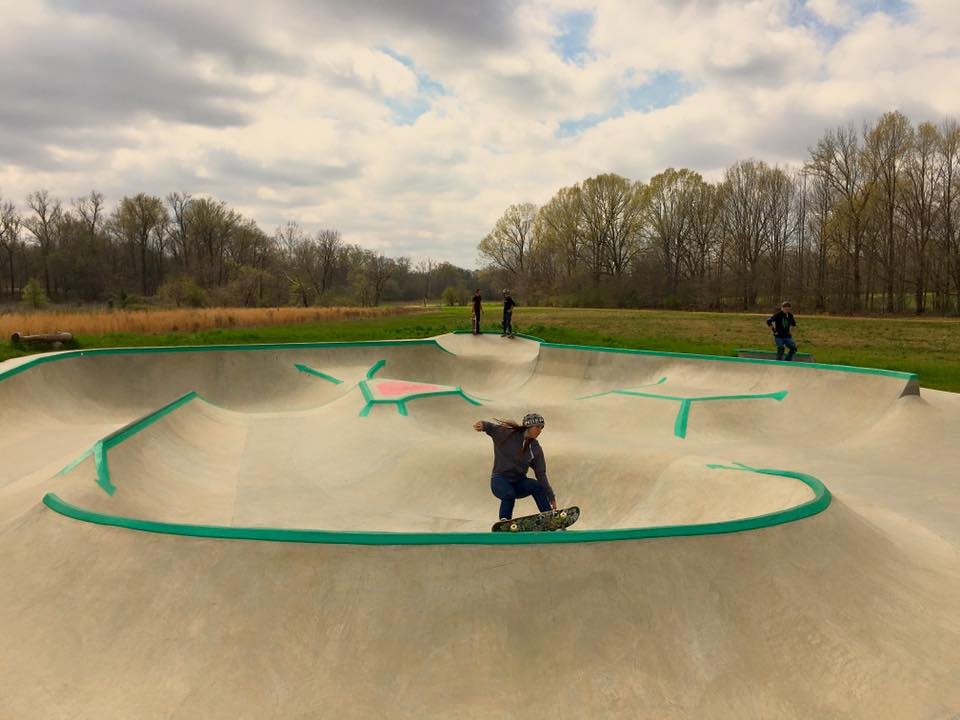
(531, 419)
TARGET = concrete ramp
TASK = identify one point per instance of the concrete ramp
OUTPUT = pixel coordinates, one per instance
(303, 531)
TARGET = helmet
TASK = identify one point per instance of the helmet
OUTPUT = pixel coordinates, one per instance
(531, 419)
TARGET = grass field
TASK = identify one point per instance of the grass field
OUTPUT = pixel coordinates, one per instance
(923, 346)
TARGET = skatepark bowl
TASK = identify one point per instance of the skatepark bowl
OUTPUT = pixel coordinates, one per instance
(304, 531)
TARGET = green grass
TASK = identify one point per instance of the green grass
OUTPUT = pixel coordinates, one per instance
(926, 347)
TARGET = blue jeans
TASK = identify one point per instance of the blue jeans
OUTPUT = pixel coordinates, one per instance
(508, 322)
(508, 491)
(785, 342)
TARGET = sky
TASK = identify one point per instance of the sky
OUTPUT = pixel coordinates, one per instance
(411, 126)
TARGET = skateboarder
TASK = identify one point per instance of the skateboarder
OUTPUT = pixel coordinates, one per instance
(515, 450)
(508, 305)
(477, 308)
(781, 322)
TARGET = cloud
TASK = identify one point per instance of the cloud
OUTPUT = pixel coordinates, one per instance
(411, 126)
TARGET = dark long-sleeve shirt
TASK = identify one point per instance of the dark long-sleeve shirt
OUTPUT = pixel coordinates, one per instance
(508, 304)
(781, 322)
(510, 461)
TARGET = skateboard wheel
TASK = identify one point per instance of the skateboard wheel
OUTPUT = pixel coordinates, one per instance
(513, 527)
(563, 515)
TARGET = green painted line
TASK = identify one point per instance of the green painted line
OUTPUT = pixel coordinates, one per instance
(680, 424)
(69, 354)
(101, 446)
(310, 371)
(661, 381)
(103, 469)
(86, 453)
(683, 415)
(820, 502)
(377, 366)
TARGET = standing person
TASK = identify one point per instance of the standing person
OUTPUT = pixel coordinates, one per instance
(515, 450)
(781, 322)
(477, 307)
(508, 305)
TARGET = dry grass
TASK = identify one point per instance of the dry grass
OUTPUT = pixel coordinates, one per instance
(152, 322)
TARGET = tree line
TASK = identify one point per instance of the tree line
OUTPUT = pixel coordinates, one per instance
(196, 251)
(867, 224)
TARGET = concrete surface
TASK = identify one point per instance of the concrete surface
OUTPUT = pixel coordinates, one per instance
(851, 613)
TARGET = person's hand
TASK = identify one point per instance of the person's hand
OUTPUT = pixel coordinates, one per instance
(553, 503)
(478, 426)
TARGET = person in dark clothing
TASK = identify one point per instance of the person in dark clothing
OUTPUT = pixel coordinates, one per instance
(508, 305)
(781, 322)
(515, 450)
(477, 308)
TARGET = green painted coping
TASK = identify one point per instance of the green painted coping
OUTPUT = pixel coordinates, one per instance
(42, 359)
(494, 332)
(310, 371)
(100, 448)
(820, 502)
(724, 358)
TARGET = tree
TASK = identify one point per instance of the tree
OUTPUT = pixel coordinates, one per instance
(10, 227)
(747, 220)
(950, 160)
(559, 231)
(141, 222)
(887, 148)
(612, 214)
(668, 207)
(923, 173)
(837, 159)
(43, 226)
(507, 245)
(33, 295)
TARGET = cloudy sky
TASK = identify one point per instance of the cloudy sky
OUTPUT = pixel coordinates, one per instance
(410, 126)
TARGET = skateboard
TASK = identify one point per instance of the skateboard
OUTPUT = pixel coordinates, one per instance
(559, 519)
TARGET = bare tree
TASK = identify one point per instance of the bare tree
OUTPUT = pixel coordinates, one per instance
(141, 221)
(11, 223)
(746, 221)
(507, 245)
(43, 226)
(559, 231)
(838, 160)
(921, 204)
(668, 212)
(949, 151)
(887, 148)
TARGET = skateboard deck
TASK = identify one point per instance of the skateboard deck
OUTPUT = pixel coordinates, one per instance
(559, 519)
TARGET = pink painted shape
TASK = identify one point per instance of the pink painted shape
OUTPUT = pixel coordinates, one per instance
(397, 388)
